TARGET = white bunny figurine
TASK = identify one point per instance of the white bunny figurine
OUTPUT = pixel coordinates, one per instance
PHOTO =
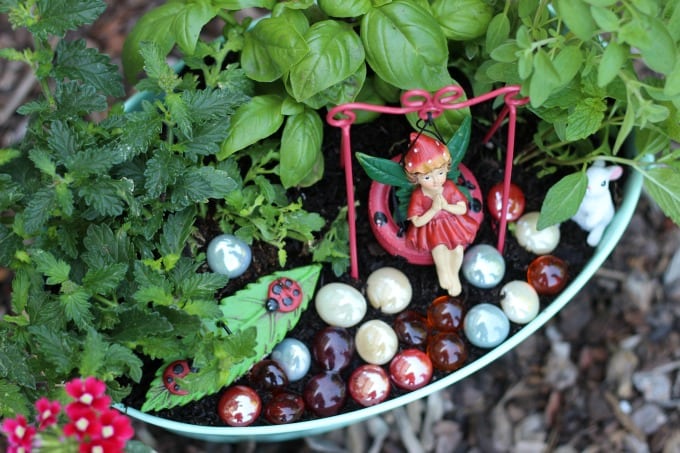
(597, 208)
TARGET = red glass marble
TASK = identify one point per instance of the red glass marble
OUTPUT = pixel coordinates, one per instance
(268, 375)
(446, 314)
(447, 351)
(176, 370)
(547, 274)
(516, 202)
(411, 369)
(333, 348)
(325, 393)
(239, 406)
(369, 385)
(284, 408)
(411, 328)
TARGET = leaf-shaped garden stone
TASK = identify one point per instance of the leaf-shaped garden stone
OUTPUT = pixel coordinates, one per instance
(246, 334)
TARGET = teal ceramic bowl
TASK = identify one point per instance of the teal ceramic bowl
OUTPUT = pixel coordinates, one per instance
(276, 433)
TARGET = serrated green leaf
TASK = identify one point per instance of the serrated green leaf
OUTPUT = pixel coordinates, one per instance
(586, 118)
(57, 271)
(663, 184)
(137, 324)
(203, 285)
(162, 170)
(107, 197)
(384, 171)
(74, 99)
(75, 61)
(93, 354)
(156, 294)
(59, 16)
(57, 349)
(43, 161)
(562, 200)
(176, 231)
(76, 306)
(257, 119)
(12, 400)
(104, 279)
(39, 209)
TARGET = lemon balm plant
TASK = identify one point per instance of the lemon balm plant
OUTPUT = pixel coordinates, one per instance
(99, 218)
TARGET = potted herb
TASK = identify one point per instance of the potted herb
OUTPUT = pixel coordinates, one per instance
(107, 224)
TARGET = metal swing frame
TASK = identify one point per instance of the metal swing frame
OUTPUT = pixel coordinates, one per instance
(427, 105)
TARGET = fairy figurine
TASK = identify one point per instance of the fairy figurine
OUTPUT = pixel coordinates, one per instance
(438, 211)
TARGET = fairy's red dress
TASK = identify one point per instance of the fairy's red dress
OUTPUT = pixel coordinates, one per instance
(445, 228)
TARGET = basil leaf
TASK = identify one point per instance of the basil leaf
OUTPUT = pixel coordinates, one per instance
(271, 48)
(257, 119)
(335, 53)
(405, 46)
(345, 8)
(300, 147)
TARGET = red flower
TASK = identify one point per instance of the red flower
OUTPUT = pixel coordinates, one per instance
(101, 446)
(84, 422)
(88, 392)
(47, 412)
(116, 426)
(19, 433)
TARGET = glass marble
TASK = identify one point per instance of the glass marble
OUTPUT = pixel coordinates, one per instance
(376, 342)
(293, 357)
(411, 328)
(333, 348)
(447, 351)
(445, 314)
(486, 326)
(483, 266)
(540, 242)
(239, 405)
(389, 290)
(340, 304)
(547, 274)
(268, 375)
(519, 301)
(284, 407)
(411, 369)
(325, 393)
(369, 385)
(228, 255)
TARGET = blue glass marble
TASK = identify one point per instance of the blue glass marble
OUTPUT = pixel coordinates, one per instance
(486, 326)
(293, 357)
(483, 266)
(228, 255)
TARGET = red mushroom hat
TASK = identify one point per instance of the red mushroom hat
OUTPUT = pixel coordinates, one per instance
(425, 154)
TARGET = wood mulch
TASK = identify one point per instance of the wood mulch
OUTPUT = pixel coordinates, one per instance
(602, 376)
